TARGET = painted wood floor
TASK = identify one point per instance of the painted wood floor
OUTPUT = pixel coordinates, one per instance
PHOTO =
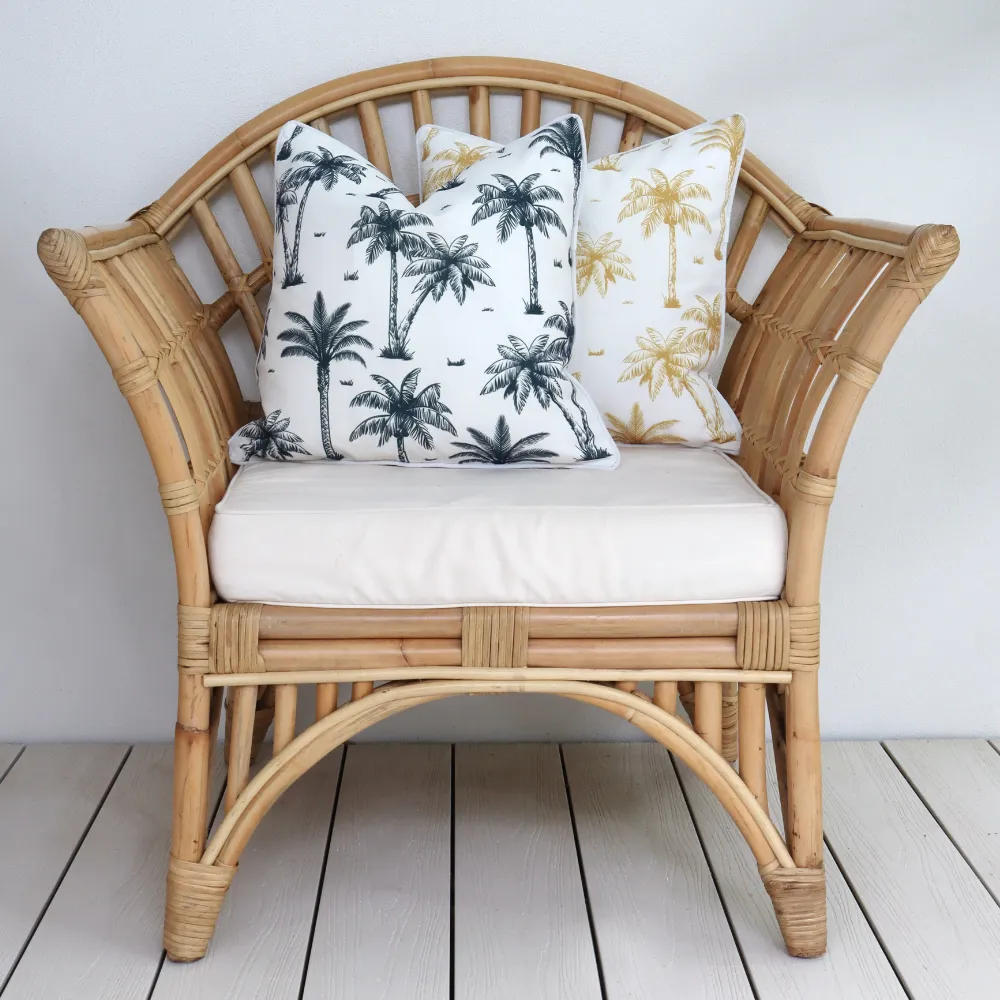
(502, 872)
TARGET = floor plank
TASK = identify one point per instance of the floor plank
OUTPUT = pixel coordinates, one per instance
(382, 927)
(854, 966)
(46, 802)
(8, 754)
(101, 936)
(934, 916)
(521, 926)
(960, 781)
(260, 944)
(660, 925)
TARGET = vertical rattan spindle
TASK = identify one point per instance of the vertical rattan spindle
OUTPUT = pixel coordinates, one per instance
(326, 700)
(285, 704)
(708, 713)
(665, 696)
(241, 738)
(751, 741)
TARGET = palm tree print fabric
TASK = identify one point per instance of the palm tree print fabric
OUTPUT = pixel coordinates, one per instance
(650, 272)
(431, 336)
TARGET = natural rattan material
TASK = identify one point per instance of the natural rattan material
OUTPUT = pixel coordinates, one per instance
(495, 637)
(799, 899)
(233, 639)
(803, 648)
(808, 351)
(193, 638)
(195, 893)
(763, 635)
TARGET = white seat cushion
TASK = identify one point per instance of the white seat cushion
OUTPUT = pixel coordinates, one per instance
(671, 525)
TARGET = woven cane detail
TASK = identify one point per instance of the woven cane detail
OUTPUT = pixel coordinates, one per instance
(762, 635)
(193, 638)
(195, 894)
(180, 497)
(799, 899)
(233, 638)
(814, 489)
(803, 653)
(495, 637)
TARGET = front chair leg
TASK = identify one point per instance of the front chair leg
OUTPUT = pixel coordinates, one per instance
(799, 894)
(194, 891)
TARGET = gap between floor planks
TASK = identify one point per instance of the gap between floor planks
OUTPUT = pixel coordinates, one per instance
(550, 846)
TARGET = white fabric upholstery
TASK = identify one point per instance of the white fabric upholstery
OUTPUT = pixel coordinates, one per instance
(671, 525)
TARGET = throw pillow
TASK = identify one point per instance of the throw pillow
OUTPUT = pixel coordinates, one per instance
(650, 273)
(436, 336)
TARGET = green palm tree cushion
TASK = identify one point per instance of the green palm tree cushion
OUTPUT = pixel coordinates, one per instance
(650, 272)
(440, 336)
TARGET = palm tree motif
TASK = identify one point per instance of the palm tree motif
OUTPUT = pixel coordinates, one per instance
(425, 149)
(664, 203)
(323, 341)
(674, 362)
(519, 204)
(602, 263)
(456, 159)
(524, 371)
(500, 449)
(269, 437)
(727, 135)
(405, 412)
(317, 166)
(565, 323)
(661, 360)
(441, 266)
(608, 162)
(286, 146)
(385, 229)
(564, 137)
(707, 337)
(635, 431)
(284, 198)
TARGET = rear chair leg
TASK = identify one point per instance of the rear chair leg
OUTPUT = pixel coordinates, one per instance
(730, 721)
(263, 718)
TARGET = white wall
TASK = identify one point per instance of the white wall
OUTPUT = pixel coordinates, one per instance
(869, 107)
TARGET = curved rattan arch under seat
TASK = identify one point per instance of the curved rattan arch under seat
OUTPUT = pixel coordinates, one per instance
(808, 351)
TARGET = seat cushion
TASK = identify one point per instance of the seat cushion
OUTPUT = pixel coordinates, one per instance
(671, 525)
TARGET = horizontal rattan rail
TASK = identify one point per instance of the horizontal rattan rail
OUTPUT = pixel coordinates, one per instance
(810, 347)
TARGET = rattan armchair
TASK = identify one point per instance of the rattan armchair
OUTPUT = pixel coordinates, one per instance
(808, 351)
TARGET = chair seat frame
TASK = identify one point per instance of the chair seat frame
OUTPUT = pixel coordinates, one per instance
(808, 351)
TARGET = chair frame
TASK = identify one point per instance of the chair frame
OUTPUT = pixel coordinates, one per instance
(807, 353)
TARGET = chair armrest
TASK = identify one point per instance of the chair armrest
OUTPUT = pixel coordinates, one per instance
(809, 350)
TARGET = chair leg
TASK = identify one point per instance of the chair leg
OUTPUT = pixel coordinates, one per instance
(185, 931)
(262, 719)
(195, 894)
(804, 770)
(775, 697)
(799, 899)
(730, 721)
(799, 894)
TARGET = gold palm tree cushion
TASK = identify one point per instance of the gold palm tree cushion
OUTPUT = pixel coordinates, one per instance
(403, 336)
(650, 273)
(366, 535)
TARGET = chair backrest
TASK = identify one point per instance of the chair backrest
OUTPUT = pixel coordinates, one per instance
(805, 356)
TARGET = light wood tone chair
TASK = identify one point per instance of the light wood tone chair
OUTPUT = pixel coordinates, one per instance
(808, 351)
